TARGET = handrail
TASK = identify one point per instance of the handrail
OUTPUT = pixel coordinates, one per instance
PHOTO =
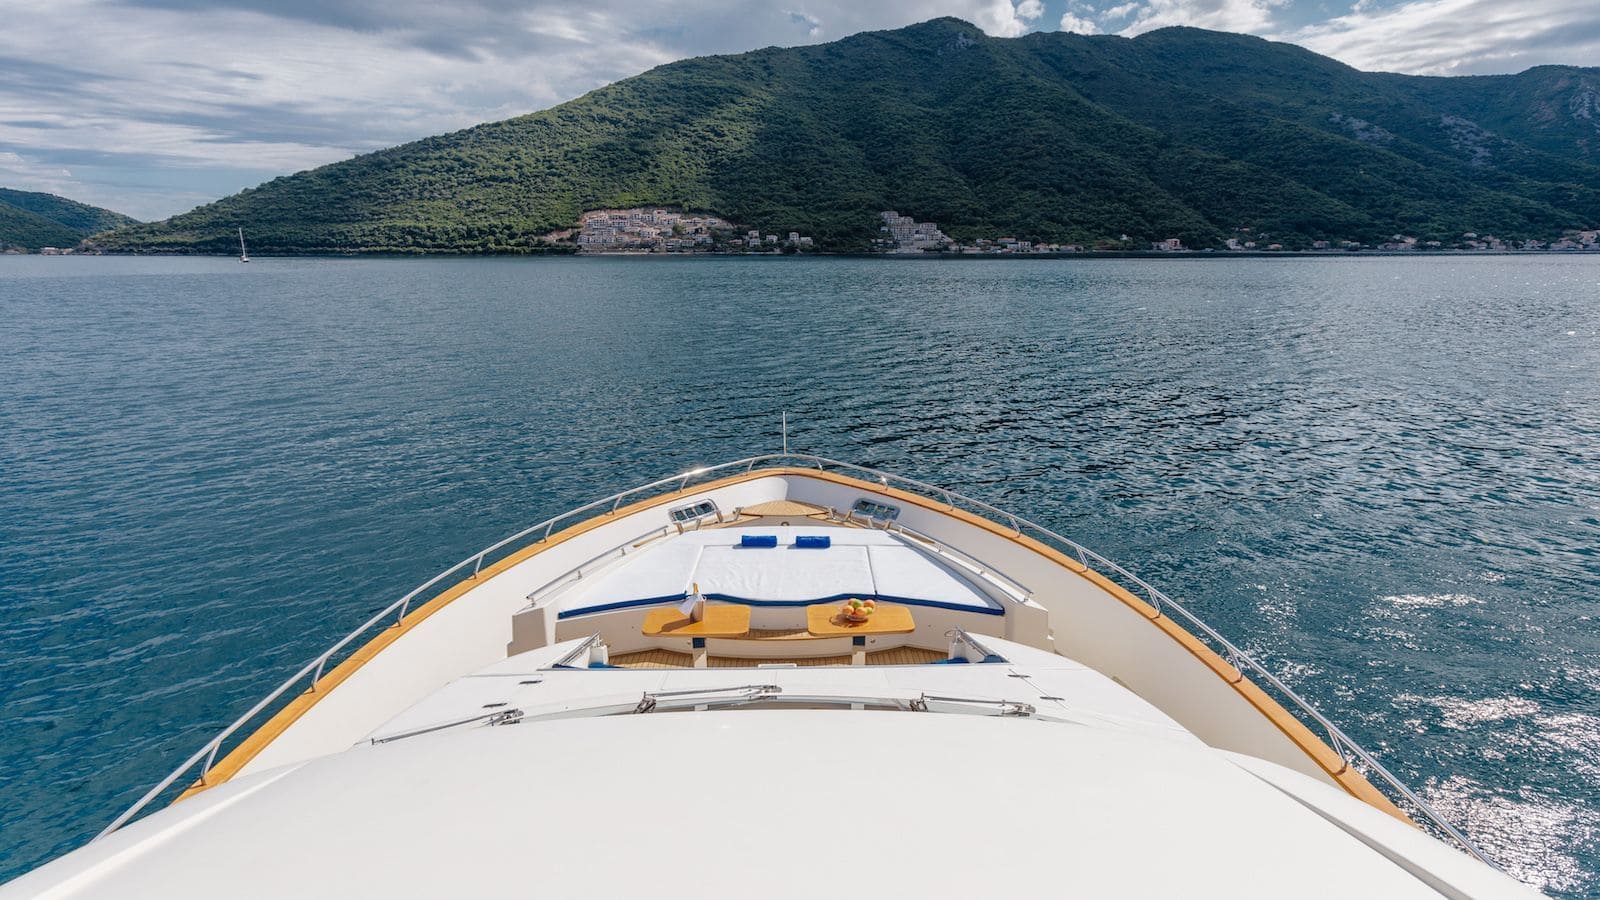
(1350, 753)
(1015, 591)
(509, 716)
(961, 635)
(583, 647)
(560, 581)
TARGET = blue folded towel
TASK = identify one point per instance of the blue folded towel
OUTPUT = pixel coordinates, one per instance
(813, 541)
(758, 540)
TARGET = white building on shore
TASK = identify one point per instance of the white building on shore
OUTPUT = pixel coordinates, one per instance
(909, 235)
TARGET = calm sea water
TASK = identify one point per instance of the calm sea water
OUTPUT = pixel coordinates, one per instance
(1380, 475)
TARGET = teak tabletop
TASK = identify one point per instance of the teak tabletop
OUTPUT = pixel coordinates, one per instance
(721, 621)
(824, 620)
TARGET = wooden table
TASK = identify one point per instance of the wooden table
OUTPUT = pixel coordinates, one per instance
(825, 620)
(721, 621)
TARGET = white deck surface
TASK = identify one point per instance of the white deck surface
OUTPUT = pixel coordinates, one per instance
(860, 563)
(735, 804)
(1053, 683)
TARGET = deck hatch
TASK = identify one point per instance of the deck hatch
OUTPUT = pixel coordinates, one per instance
(693, 511)
(872, 509)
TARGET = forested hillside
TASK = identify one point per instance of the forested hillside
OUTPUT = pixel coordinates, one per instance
(31, 220)
(1058, 137)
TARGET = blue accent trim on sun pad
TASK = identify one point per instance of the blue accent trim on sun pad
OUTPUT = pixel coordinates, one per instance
(728, 598)
(758, 540)
(881, 598)
(938, 604)
(621, 604)
(813, 541)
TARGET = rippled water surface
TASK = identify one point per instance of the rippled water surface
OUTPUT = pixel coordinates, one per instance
(1381, 475)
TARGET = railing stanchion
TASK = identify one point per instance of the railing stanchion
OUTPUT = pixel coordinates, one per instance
(1238, 668)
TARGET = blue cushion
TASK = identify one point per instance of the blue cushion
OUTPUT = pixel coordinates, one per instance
(758, 540)
(948, 662)
(813, 541)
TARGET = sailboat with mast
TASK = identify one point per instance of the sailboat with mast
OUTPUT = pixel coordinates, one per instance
(244, 255)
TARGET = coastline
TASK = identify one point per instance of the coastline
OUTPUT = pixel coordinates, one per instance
(626, 254)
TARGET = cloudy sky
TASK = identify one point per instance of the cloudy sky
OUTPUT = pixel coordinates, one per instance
(152, 107)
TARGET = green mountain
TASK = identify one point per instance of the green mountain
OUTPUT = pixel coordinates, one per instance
(32, 220)
(1061, 137)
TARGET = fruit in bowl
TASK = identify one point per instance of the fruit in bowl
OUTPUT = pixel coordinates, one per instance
(858, 610)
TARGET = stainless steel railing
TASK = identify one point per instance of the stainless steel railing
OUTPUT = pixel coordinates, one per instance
(1350, 753)
(599, 560)
(1014, 590)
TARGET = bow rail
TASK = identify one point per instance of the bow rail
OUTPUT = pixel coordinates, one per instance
(1351, 753)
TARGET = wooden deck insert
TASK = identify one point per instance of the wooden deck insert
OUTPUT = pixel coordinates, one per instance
(783, 508)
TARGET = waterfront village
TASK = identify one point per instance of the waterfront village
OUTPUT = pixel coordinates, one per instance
(668, 231)
(903, 234)
(1399, 243)
(647, 230)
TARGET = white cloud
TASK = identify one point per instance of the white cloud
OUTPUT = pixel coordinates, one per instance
(813, 25)
(216, 86)
(232, 85)
(16, 169)
(161, 101)
(1455, 37)
(1253, 16)
(1079, 24)
(1002, 18)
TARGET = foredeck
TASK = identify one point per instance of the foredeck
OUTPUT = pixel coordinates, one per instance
(779, 570)
(595, 572)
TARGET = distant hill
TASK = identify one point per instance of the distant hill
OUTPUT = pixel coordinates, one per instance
(32, 220)
(1062, 137)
